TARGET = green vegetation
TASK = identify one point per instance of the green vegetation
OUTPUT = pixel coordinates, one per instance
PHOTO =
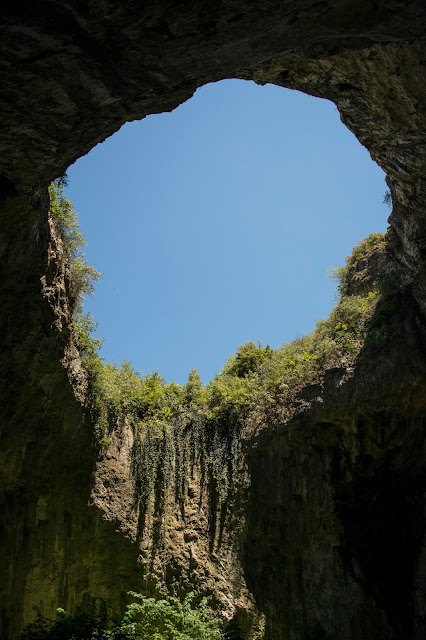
(342, 273)
(85, 625)
(168, 619)
(247, 359)
(145, 619)
(64, 217)
(152, 406)
(363, 246)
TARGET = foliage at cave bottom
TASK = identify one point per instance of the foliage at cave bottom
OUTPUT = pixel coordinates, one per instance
(145, 619)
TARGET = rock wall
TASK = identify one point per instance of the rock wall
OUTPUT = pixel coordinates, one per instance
(324, 532)
(346, 481)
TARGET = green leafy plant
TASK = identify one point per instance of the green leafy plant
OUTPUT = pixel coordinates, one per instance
(248, 359)
(342, 273)
(168, 619)
(339, 337)
(194, 390)
(65, 218)
(84, 625)
(363, 246)
(89, 345)
(145, 619)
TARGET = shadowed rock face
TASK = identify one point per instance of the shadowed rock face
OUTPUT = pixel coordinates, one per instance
(326, 529)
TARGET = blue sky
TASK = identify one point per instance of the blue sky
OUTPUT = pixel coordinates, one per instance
(215, 224)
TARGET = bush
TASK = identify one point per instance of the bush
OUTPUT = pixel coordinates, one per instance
(167, 619)
(89, 345)
(363, 246)
(335, 340)
(64, 216)
(227, 395)
(194, 390)
(84, 625)
(145, 619)
(342, 273)
(248, 359)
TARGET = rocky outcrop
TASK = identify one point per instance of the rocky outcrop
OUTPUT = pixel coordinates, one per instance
(324, 534)
(346, 476)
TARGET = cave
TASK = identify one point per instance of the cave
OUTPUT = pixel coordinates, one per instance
(326, 537)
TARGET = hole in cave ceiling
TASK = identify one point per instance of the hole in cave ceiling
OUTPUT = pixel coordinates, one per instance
(215, 224)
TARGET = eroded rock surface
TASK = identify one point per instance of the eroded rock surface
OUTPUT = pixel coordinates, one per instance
(327, 524)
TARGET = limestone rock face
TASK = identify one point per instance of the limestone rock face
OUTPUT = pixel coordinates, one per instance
(326, 527)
